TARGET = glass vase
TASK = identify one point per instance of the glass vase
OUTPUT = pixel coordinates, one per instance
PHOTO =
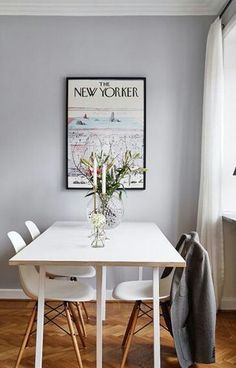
(111, 207)
(98, 237)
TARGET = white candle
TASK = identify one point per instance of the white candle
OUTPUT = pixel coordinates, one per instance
(104, 174)
(113, 172)
(95, 168)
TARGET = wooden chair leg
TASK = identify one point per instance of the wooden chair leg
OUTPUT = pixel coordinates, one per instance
(131, 333)
(26, 337)
(81, 318)
(77, 323)
(85, 310)
(165, 307)
(129, 325)
(35, 319)
(73, 337)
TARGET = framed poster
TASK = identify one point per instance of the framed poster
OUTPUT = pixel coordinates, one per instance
(109, 115)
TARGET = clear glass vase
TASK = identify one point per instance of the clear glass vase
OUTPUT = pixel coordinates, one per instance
(112, 208)
(98, 237)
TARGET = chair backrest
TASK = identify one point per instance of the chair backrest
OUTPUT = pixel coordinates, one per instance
(179, 246)
(16, 240)
(33, 229)
(169, 271)
(29, 277)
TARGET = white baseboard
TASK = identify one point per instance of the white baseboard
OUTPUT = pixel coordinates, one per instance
(12, 294)
(19, 294)
(228, 303)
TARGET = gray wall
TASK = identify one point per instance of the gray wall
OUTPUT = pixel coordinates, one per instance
(37, 53)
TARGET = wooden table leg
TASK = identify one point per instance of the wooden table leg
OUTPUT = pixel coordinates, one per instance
(99, 284)
(156, 318)
(104, 291)
(40, 319)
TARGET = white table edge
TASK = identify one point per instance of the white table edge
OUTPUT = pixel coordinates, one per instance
(13, 262)
(229, 217)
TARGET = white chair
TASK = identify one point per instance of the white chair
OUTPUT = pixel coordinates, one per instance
(141, 291)
(55, 290)
(71, 272)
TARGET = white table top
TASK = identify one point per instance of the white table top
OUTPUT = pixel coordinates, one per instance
(130, 244)
(230, 216)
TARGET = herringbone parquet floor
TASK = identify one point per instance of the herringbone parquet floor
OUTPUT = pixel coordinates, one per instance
(59, 353)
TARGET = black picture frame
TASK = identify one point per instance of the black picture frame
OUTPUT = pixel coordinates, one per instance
(105, 80)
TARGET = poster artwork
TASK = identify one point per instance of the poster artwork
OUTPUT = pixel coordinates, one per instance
(108, 115)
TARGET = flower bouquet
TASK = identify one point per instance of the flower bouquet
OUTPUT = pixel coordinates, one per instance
(107, 177)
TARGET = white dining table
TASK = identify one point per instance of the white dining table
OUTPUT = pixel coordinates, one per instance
(67, 243)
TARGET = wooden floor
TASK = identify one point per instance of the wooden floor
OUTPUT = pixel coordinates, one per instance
(58, 351)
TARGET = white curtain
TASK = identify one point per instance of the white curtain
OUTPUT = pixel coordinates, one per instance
(209, 223)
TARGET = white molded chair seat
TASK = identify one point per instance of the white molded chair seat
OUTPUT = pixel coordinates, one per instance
(57, 290)
(68, 291)
(71, 271)
(142, 290)
(62, 271)
(133, 290)
(54, 289)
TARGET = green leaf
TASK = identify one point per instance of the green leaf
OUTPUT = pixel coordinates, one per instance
(89, 194)
(85, 162)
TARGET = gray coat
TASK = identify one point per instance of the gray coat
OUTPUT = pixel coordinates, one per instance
(193, 307)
